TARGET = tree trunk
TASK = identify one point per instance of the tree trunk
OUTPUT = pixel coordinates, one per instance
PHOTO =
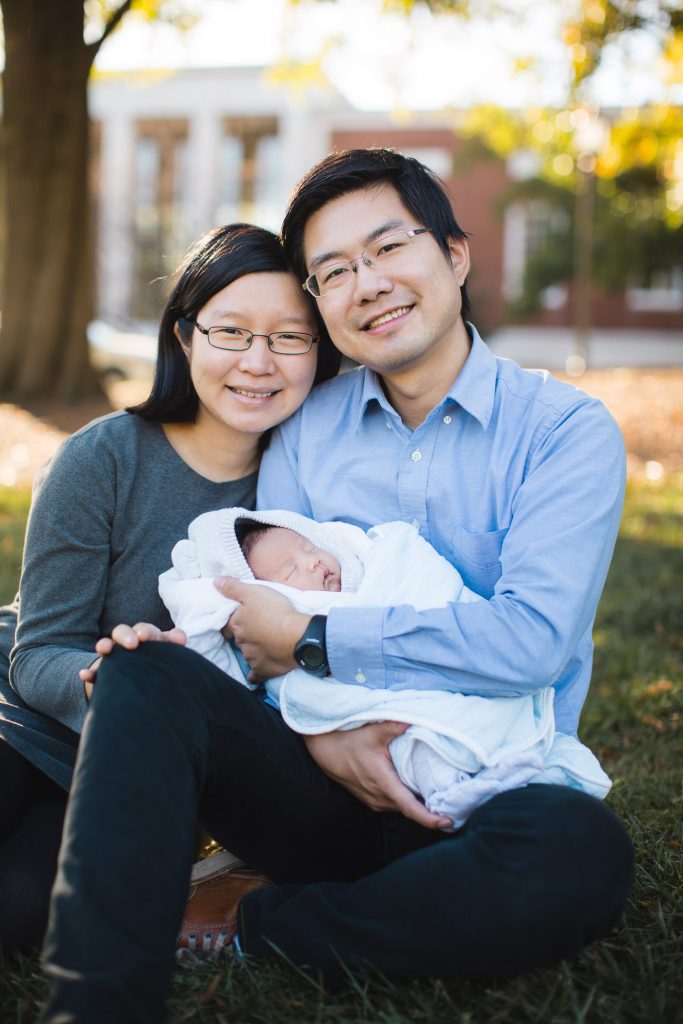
(47, 300)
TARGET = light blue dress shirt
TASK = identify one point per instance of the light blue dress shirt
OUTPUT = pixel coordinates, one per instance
(515, 477)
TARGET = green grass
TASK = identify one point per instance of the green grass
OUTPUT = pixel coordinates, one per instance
(14, 505)
(633, 719)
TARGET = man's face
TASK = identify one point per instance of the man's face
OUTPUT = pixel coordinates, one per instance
(392, 321)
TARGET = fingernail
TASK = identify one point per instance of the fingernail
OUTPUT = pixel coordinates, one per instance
(219, 581)
(445, 823)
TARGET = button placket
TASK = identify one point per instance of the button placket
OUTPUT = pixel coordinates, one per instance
(412, 477)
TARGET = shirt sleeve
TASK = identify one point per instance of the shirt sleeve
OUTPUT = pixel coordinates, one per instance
(554, 561)
(64, 581)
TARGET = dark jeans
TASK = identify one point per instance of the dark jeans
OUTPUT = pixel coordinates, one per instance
(534, 875)
(32, 810)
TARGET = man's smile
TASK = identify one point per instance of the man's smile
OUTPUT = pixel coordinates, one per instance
(383, 318)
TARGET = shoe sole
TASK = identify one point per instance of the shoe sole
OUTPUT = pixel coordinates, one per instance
(216, 864)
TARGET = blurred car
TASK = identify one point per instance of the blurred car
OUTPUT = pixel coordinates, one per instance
(121, 353)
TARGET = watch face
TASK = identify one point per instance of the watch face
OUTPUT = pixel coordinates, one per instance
(309, 651)
(312, 656)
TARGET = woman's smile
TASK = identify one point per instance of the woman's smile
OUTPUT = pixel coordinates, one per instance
(252, 395)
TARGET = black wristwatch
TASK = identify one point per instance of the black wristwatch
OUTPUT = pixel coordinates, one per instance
(309, 651)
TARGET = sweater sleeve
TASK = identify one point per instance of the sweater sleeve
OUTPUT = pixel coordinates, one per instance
(64, 579)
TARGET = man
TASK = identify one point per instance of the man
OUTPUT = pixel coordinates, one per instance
(515, 478)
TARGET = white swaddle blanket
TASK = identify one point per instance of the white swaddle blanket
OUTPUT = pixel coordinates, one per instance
(460, 749)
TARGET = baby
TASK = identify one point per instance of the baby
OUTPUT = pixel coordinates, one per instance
(281, 555)
(460, 750)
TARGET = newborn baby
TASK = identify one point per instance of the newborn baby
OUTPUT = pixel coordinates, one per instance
(460, 749)
(280, 555)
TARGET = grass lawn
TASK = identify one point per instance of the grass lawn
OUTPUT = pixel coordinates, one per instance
(633, 720)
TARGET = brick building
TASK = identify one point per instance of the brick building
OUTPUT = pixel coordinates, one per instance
(177, 152)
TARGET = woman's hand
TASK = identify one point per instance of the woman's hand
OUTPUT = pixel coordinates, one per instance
(359, 760)
(129, 637)
(88, 677)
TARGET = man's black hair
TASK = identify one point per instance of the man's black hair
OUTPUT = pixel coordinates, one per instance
(353, 170)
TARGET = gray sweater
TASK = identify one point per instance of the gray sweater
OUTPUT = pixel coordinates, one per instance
(107, 510)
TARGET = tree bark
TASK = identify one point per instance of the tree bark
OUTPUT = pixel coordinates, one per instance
(48, 283)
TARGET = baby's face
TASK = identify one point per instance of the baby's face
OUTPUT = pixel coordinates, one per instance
(283, 556)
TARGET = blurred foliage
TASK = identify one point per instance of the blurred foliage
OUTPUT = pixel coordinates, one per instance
(630, 247)
(636, 156)
(461, 7)
(300, 75)
(102, 17)
(598, 23)
(176, 12)
(617, 146)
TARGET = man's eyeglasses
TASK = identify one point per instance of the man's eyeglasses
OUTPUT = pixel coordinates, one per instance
(238, 339)
(387, 251)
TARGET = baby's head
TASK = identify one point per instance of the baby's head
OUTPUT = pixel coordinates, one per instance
(279, 555)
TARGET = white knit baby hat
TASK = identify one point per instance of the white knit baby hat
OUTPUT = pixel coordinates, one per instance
(212, 548)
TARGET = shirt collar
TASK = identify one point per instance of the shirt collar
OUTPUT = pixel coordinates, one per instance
(372, 392)
(474, 389)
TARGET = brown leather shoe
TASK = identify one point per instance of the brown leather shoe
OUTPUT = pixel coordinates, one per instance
(216, 887)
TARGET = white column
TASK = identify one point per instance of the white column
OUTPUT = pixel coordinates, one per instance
(115, 227)
(204, 137)
(305, 141)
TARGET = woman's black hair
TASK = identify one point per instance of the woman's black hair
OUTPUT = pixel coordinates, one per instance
(352, 170)
(216, 260)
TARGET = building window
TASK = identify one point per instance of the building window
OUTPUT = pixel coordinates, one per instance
(663, 293)
(437, 158)
(533, 229)
(159, 203)
(249, 172)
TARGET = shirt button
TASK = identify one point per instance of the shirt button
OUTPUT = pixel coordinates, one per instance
(447, 419)
(360, 677)
(387, 424)
(416, 524)
(417, 455)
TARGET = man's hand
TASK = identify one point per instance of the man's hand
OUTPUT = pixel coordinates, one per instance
(129, 637)
(265, 626)
(359, 760)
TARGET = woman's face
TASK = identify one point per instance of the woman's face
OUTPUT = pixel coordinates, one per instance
(255, 389)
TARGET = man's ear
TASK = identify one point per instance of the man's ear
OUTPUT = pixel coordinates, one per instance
(460, 258)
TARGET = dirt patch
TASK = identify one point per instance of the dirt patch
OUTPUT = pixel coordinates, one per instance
(647, 404)
(30, 436)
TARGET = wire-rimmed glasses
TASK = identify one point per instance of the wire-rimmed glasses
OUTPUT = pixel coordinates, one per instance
(239, 339)
(389, 250)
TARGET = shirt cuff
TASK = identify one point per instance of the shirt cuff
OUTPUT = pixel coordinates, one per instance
(353, 639)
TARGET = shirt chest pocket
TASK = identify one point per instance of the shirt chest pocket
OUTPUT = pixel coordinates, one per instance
(477, 557)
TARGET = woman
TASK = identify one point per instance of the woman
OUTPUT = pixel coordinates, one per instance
(112, 503)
